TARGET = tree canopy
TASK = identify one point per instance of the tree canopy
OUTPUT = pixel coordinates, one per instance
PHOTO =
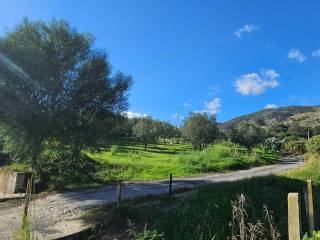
(247, 134)
(200, 129)
(56, 88)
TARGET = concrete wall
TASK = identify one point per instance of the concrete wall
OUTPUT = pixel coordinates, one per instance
(12, 182)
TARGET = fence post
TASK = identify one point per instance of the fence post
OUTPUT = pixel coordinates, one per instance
(26, 204)
(170, 186)
(293, 216)
(310, 206)
(119, 189)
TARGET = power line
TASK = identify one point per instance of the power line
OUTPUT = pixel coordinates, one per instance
(178, 51)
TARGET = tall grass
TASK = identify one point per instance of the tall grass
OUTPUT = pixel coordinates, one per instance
(311, 170)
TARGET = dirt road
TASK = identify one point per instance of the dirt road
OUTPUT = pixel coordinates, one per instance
(58, 215)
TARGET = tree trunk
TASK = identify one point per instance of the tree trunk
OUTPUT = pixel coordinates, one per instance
(145, 145)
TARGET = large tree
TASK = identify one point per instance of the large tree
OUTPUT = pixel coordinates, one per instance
(145, 129)
(56, 88)
(248, 134)
(200, 129)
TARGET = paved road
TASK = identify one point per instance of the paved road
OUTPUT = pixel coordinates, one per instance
(58, 215)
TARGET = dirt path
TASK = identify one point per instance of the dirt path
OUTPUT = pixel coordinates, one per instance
(58, 215)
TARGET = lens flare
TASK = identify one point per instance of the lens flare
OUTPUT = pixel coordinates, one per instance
(16, 69)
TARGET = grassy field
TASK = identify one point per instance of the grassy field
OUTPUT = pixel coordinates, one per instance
(127, 160)
(207, 214)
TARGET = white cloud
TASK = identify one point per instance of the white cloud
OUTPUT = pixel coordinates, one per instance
(131, 114)
(316, 53)
(247, 28)
(257, 83)
(186, 104)
(212, 107)
(297, 55)
(271, 106)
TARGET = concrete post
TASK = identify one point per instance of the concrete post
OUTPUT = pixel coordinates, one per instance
(310, 206)
(293, 216)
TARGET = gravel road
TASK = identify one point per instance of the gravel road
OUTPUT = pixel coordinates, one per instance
(57, 215)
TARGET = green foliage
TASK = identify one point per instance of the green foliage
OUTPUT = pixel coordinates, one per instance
(149, 130)
(126, 159)
(200, 129)
(296, 129)
(148, 235)
(294, 145)
(145, 129)
(247, 134)
(60, 169)
(273, 143)
(309, 171)
(313, 145)
(315, 236)
(55, 87)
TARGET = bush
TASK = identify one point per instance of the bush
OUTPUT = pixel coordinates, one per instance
(273, 143)
(59, 169)
(315, 236)
(313, 145)
(294, 145)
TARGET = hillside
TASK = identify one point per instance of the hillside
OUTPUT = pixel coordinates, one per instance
(308, 116)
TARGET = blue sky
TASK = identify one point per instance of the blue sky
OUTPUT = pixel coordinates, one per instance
(198, 55)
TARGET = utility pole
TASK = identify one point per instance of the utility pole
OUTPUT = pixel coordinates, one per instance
(178, 113)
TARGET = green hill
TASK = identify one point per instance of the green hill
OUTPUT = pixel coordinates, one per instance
(308, 116)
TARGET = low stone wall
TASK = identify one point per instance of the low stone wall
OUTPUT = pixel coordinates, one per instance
(12, 182)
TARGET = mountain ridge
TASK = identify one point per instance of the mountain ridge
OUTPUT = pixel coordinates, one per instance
(308, 116)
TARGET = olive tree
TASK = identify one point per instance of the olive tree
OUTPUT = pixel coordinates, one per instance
(56, 89)
(145, 130)
(200, 129)
(247, 134)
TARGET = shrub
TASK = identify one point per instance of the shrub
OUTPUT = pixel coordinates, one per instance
(273, 143)
(294, 145)
(313, 145)
(315, 236)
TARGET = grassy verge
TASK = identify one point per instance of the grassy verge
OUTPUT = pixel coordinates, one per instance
(128, 160)
(310, 171)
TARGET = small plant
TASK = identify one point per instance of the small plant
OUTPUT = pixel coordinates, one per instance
(26, 233)
(145, 234)
(315, 236)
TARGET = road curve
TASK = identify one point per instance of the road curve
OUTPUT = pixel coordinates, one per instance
(58, 215)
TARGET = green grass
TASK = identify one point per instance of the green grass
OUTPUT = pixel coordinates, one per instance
(309, 171)
(127, 160)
